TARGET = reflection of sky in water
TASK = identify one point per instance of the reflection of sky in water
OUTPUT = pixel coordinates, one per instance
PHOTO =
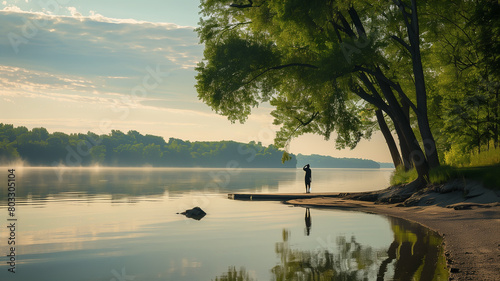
(91, 235)
(41, 185)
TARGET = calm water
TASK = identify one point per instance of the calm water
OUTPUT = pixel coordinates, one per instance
(121, 224)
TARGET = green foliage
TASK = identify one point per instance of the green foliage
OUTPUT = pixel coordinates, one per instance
(8, 151)
(320, 161)
(401, 176)
(286, 53)
(457, 156)
(484, 158)
(465, 77)
(39, 147)
(460, 157)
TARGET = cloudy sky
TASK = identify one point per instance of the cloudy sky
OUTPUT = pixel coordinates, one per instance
(93, 65)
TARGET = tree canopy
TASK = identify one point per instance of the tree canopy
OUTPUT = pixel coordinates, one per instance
(330, 66)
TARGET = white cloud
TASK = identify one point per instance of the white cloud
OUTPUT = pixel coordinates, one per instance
(74, 12)
(18, 82)
(106, 46)
(110, 55)
(12, 8)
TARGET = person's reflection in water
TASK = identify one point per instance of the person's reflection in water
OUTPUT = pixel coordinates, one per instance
(308, 222)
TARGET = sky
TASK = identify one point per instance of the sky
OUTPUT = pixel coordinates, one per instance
(77, 66)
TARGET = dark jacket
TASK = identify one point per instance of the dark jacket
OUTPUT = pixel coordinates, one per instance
(308, 177)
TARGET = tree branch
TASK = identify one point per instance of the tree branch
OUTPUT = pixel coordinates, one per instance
(377, 99)
(367, 97)
(391, 83)
(302, 124)
(315, 114)
(345, 26)
(231, 27)
(357, 22)
(239, 6)
(280, 67)
(402, 42)
(405, 14)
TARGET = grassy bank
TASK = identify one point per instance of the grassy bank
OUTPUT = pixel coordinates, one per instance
(488, 175)
(483, 167)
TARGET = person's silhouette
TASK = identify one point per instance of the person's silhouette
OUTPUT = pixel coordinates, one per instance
(308, 221)
(308, 178)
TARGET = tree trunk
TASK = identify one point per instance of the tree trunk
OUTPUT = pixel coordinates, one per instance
(418, 73)
(398, 117)
(496, 120)
(396, 158)
(405, 151)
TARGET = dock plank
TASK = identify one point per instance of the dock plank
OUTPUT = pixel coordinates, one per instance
(278, 196)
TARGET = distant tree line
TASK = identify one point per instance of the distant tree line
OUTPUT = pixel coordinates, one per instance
(38, 147)
(320, 161)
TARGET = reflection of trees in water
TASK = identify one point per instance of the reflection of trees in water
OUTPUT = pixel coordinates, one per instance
(234, 275)
(414, 254)
(417, 253)
(349, 261)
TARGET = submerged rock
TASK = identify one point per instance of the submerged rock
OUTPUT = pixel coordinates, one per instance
(196, 213)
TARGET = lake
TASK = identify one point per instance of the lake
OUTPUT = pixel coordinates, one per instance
(122, 224)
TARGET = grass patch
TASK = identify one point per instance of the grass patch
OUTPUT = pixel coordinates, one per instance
(443, 174)
(400, 176)
(488, 175)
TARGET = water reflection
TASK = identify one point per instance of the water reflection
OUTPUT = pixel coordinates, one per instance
(235, 275)
(415, 254)
(40, 185)
(308, 222)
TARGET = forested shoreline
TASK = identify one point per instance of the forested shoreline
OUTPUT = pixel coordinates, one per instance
(38, 147)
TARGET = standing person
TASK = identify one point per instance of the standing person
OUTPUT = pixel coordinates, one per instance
(308, 178)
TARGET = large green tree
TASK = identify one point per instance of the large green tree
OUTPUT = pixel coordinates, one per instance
(465, 59)
(323, 65)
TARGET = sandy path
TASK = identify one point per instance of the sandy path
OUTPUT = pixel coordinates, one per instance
(472, 236)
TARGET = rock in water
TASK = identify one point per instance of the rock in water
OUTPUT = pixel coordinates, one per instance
(196, 213)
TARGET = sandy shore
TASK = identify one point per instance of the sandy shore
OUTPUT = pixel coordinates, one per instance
(470, 227)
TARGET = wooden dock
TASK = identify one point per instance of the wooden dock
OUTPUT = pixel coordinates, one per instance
(278, 196)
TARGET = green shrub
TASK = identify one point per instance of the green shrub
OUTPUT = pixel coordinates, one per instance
(485, 158)
(456, 156)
